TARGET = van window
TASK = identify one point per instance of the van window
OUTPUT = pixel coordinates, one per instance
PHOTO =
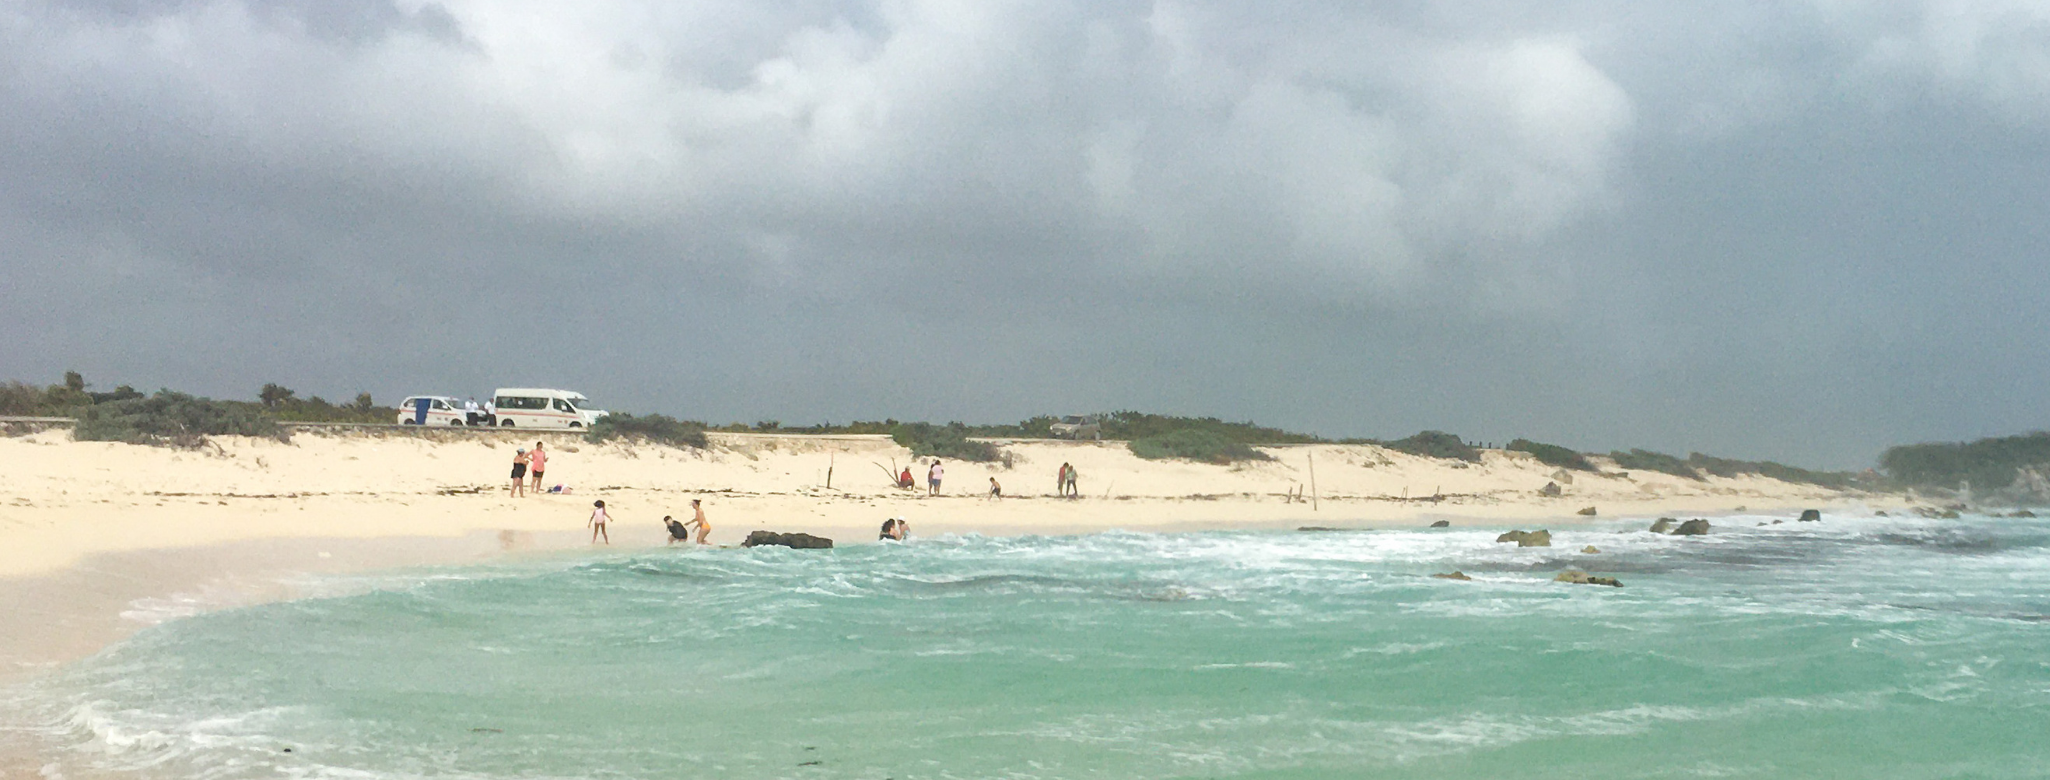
(521, 402)
(441, 404)
(563, 406)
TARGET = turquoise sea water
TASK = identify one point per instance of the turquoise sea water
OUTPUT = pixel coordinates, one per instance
(1854, 648)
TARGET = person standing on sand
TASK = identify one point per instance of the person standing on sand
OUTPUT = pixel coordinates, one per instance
(1069, 489)
(932, 478)
(538, 461)
(1060, 480)
(704, 528)
(519, 474)
(470, 412)
(598, 520)
(996, 491)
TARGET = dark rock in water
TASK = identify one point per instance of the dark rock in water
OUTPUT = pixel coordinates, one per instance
(1457, 575)
(1664, 525)
(1318, 528)
(796, 541)
(1551, 490)
(1527, 538)
(1442, 524)
(1695, 527)
(2021, 513)
(1936, 514)
(1776, 522)
(1586, 512)
(1881, 513)
(1590, 550)
(1583, 578)
(1811, 515)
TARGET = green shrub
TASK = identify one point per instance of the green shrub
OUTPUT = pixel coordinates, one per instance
(1646, 460)
(657, 428)
(1553, 455)
(172, 419)
(19, 399)
(947, 442)
(1729, 467)
(1133, 426)
(1436, 444)
(1989, 464)
(1198, 445)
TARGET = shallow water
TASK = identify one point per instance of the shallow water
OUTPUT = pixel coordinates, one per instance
(1873, 648)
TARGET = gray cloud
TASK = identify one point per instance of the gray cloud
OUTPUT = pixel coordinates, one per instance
(1795, 231)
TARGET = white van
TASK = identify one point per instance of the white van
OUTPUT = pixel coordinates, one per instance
(441, 410)
(532, 407)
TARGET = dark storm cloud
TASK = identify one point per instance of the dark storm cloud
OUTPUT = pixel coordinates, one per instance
(1786, 230)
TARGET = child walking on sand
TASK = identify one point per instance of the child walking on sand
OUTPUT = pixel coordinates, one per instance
(598, 520)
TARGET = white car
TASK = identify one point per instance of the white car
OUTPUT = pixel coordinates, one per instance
(441, 410)
(1078, 426)
(532, 407)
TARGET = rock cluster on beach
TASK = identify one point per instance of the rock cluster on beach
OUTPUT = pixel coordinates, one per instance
(796, 541)
(1527, 538)
(1579, 577)
(1674, 527)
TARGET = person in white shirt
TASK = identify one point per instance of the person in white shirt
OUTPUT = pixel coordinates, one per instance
(470, 411)
(932, 478)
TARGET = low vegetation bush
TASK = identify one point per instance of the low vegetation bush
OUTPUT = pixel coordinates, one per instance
(1988, 464)
(172, 419)
(1646, 460)
(946, 442)
(1436, 444)
(1727, 467)
(656, 428)
(1133, 426)
(1553, 455)
(1198, 445)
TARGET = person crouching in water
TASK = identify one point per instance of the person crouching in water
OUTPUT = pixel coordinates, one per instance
(598, 520)
(677, 531)
(895, 529)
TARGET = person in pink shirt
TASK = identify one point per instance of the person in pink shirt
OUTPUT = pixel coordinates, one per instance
(598, 520)
(537, 462)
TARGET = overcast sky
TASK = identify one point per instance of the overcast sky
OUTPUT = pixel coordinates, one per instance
(1788, 230)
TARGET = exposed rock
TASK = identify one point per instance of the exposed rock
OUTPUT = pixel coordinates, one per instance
(1695, 527)
(1587, 511)
(1590, 550)
(1562, 477)
(1527, 538)
(1442, 524)
(1778, 522)
(1550, 490)
(1456, 575)
(2021, 513)
(1664, 525)
(1578, 577)
(1811, 515)
(1881, 513)
(796, 541)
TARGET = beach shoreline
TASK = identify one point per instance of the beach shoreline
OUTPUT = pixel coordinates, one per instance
(91, 531)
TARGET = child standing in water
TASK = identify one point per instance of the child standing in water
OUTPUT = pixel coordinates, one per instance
(598, 520)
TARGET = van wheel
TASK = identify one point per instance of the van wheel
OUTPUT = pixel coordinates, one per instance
(505, 424)
(409, 422)
(455, 422)
(576, 425)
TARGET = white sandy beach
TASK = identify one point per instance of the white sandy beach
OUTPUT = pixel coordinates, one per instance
(88, 530)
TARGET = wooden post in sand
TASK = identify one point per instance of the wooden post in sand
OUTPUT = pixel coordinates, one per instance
(1313, 481)
(829, 471)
